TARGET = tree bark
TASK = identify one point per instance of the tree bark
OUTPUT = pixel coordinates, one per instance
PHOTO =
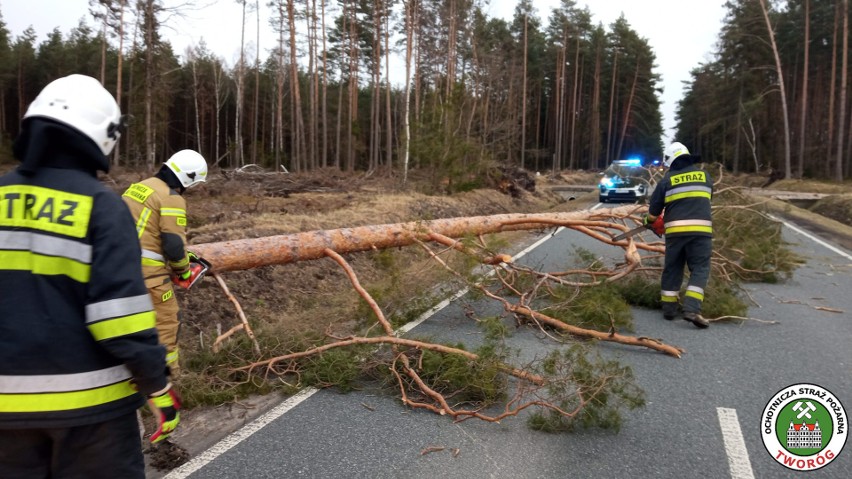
(252, 253)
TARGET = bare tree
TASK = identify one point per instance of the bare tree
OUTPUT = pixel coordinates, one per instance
(254, 139)
(298, 140)
(844, 75)
(409, 45)
(780, 72)
(388, 113)
(192, 59)
(804, 100)
(324, 160)
(113, 18)
(221, 92)
(524, 95)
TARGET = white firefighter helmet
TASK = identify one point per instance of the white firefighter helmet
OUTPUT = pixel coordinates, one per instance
(82, 103)
(189, 167)
(672, 152)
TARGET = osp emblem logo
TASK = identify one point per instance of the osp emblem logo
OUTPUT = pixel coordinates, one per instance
(804, 427)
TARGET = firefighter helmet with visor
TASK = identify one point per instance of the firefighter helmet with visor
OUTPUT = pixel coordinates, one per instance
(189, 167)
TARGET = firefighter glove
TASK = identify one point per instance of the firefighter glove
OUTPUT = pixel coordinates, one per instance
(166, 408)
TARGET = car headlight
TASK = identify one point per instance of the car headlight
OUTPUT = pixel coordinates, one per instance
(606, 182)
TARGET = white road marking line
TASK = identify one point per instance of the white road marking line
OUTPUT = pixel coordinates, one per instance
(734, 444)
(239, 435)
(812, 237)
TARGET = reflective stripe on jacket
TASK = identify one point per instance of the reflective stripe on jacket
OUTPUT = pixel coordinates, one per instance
(76, 320)
(160, 215)
(685, 195)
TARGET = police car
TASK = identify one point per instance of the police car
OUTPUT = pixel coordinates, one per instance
(625, 180)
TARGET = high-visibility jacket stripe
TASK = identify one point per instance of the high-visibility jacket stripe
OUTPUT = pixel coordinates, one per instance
(152, 255)
(44, 265)
(690, 229)
(172, 212)
(118, 307)
(670, 224)
(688, 194)
(172, 357)
(180, 264)
(54, 383)
(65, 401)
(684, 189)
(122, 326)
(143, 222)
(46, 245)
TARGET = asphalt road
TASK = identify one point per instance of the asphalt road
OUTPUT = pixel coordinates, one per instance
(702, 418)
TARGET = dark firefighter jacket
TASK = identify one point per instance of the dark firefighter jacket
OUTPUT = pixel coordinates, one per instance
(76, 321)
(685, 194)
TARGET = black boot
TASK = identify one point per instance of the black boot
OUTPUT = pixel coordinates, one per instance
(696, 319)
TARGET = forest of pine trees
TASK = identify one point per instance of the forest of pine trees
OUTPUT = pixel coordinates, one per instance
(466, 90)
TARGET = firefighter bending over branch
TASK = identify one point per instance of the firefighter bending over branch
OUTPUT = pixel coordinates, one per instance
(159, 209)
(684, 194)
(78, 345)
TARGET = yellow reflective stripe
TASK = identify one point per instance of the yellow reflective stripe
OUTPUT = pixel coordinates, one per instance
(695, 294)
(45, 265)
(668, 299)
(143, 221)
(45, 209)
(152, 262)
(122, 326)
(172, 357)
(181, 263)
(688, 194)
(690, 229)
(172, 212)
(138, 192)
(65, 401)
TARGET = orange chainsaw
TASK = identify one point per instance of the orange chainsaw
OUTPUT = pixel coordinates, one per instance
(198, 267)
(657, 227)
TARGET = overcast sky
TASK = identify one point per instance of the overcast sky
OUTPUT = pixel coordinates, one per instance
(682, 33)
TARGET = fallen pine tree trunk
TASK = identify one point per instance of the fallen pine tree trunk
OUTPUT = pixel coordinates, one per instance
(281, 249)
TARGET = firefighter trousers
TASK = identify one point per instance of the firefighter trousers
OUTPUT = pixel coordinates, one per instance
(168, 321)
(694, 252)
(107, 450)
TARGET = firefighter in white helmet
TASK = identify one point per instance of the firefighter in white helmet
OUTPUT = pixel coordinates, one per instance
(684, 193)
(159, 209)
(78, 349)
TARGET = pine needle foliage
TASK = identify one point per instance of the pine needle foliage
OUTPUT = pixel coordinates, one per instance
(596, 390)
